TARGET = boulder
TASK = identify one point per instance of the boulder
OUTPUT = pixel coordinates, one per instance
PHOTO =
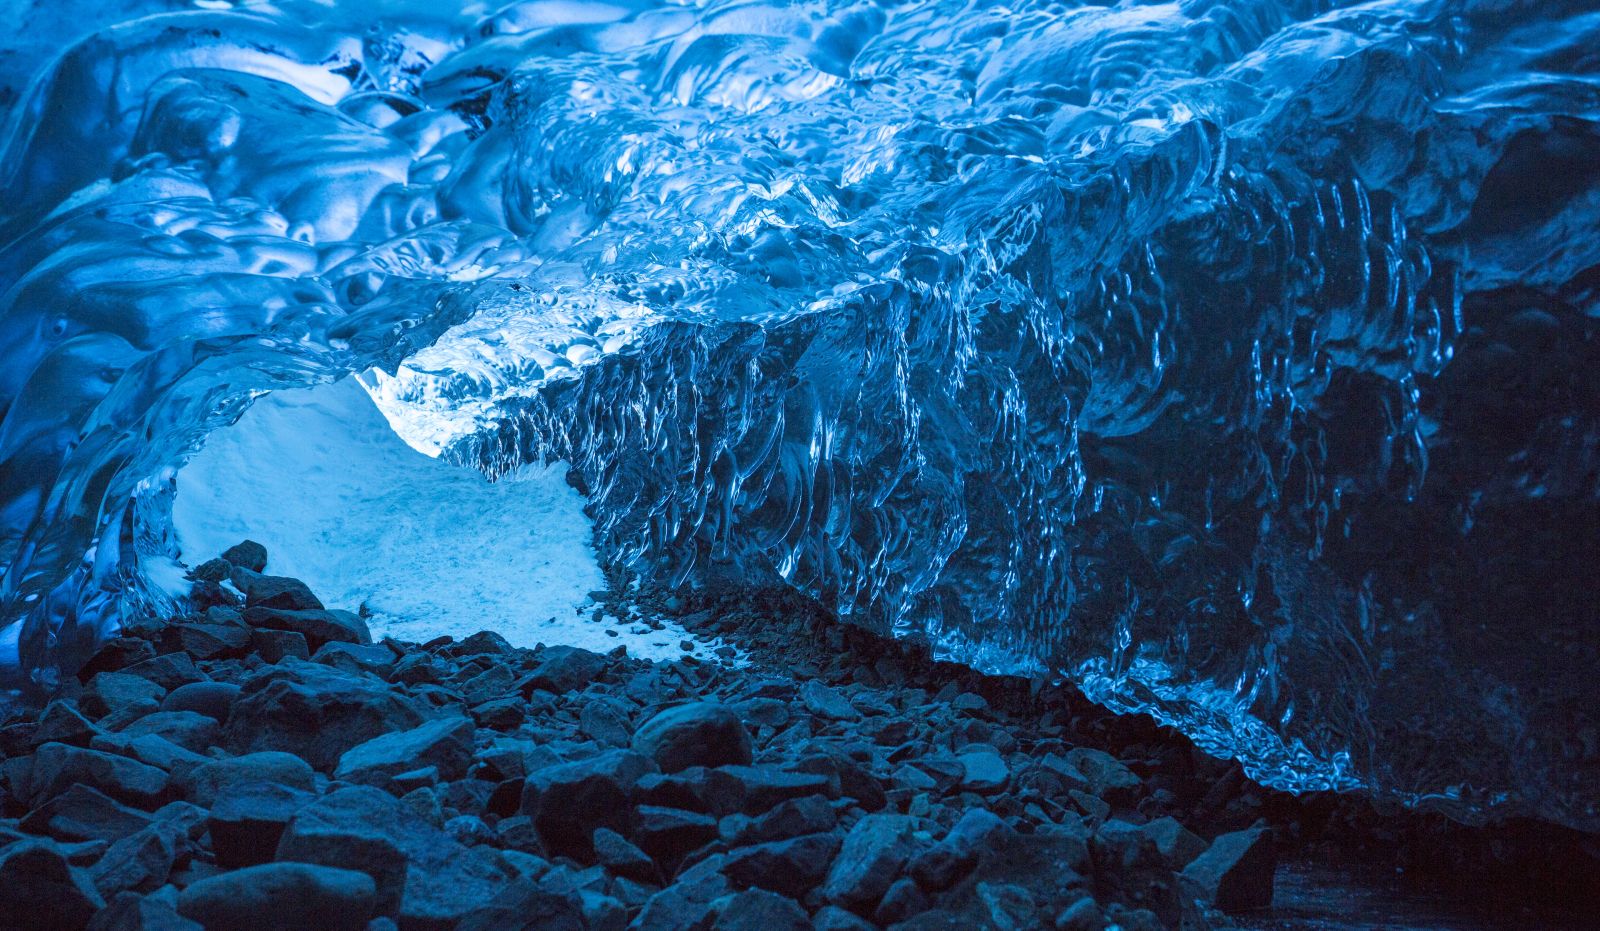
(870, 860)
(116, 653)
(130, 911)
(247, 822)
(790, 867)
(317, 625)
(83, 814)
(274, 591)
(168, 671)
(39, 889)
(445, 744)
(187, 729)
(567, 802)
(206, 641)
(1235, 872)
(619, 856)
(139, 862)
(281, 897)
(212, 699)
(761, 910)
(825, 701)
(207, 784)
(670, 834)
(564, 669)
(275, 646)
(119, 694)
(246, 555)
(982, 770)
(695, 734)
(315, 712)
(56, 767)
(809, 815)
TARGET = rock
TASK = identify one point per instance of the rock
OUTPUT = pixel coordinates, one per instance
(248, 820)
(274, 591)
(1082, 915)
(605, 722)
(833, 918)
(281, 897)
(761, 910)
(356, 657)
(317, 625)
(504, 715)
(569, 801)
(314, 712)
(274, 646)
(493, 683)
(1009, 907)
(670, 834)
(152, 750)
(983, 771)
(789, 867)
(686, 905)
(61, 722)
(761, 787)
(40, 889)
(903, 900)
(205, 785)
(212, 699)
(168, 671)
(523, 906)
(695, 734)
(139, 862)
(618, 855)
(564, 669)
(215, 569)
(82, 814)
(809, 815)
(869, 861)
(359, 826)
(117, 693)
(709, 791)
(191, 731)
(445, 744)
(58, 766)
(246, 555)
(482, 643)
(116, 653)
(130, 911)
(824, 701)
(1235, 872)
(1176, 843)
(944, 864)
(206, 641)
(1107, 777)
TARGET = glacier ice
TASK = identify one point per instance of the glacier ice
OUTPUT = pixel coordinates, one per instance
(1232, 357)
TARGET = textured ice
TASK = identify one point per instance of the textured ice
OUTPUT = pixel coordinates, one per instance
(1233, 357)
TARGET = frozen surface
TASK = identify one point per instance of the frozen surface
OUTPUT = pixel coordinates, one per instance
(317, 476)
(1233, 357)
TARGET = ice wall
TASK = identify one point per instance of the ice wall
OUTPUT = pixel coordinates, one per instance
(1234, 357)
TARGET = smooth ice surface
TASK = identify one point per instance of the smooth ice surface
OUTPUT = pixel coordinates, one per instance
(1233, 357)
(429, 548)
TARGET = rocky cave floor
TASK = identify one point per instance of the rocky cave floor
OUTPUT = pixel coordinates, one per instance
(262, 764)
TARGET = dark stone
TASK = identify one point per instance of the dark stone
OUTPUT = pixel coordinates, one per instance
(206, 641)
(484, 642)
(39, 889)
(494, 682)
(139, 862)
(1235, 872)
(569, 801)
(505, 714)
(274, 591)
(696, 734)
(314, 712)
(116, 653)
(207, 784)
(1106, 775)
(275, 646)
(445, 744)
(686, 905)
(618, 855)
(81, 814)
(359, 826)
(356, 657)
(710, 791)
(212, 699)
(61, 722)
(1082, 915)
(564, 669)
(317, 625)
(152, 750)
(1176, 843)
(903, 900)
(168, 671)
(191, 731)
(870, 860)
(215, 569)
(825, 701)
(248, 820)
(833, 918)
(523, 906)
(761, 788)
(982, 770)
(789, 867)
(761, 910)
(809, 815)
(605, 722)
(281, 897)
(127, 697)
(246, 555)
(670, 834)
(130, 911)
(56, 767)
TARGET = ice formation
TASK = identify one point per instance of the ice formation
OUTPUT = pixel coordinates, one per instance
(1233, 357)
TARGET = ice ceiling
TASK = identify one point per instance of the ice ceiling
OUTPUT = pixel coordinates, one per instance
(1236, 358)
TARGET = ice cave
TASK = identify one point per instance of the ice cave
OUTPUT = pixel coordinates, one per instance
(734, 464)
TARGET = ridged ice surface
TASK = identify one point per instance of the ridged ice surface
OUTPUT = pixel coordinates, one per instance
(1237, 358)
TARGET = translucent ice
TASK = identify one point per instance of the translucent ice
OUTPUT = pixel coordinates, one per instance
(1234, 357)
